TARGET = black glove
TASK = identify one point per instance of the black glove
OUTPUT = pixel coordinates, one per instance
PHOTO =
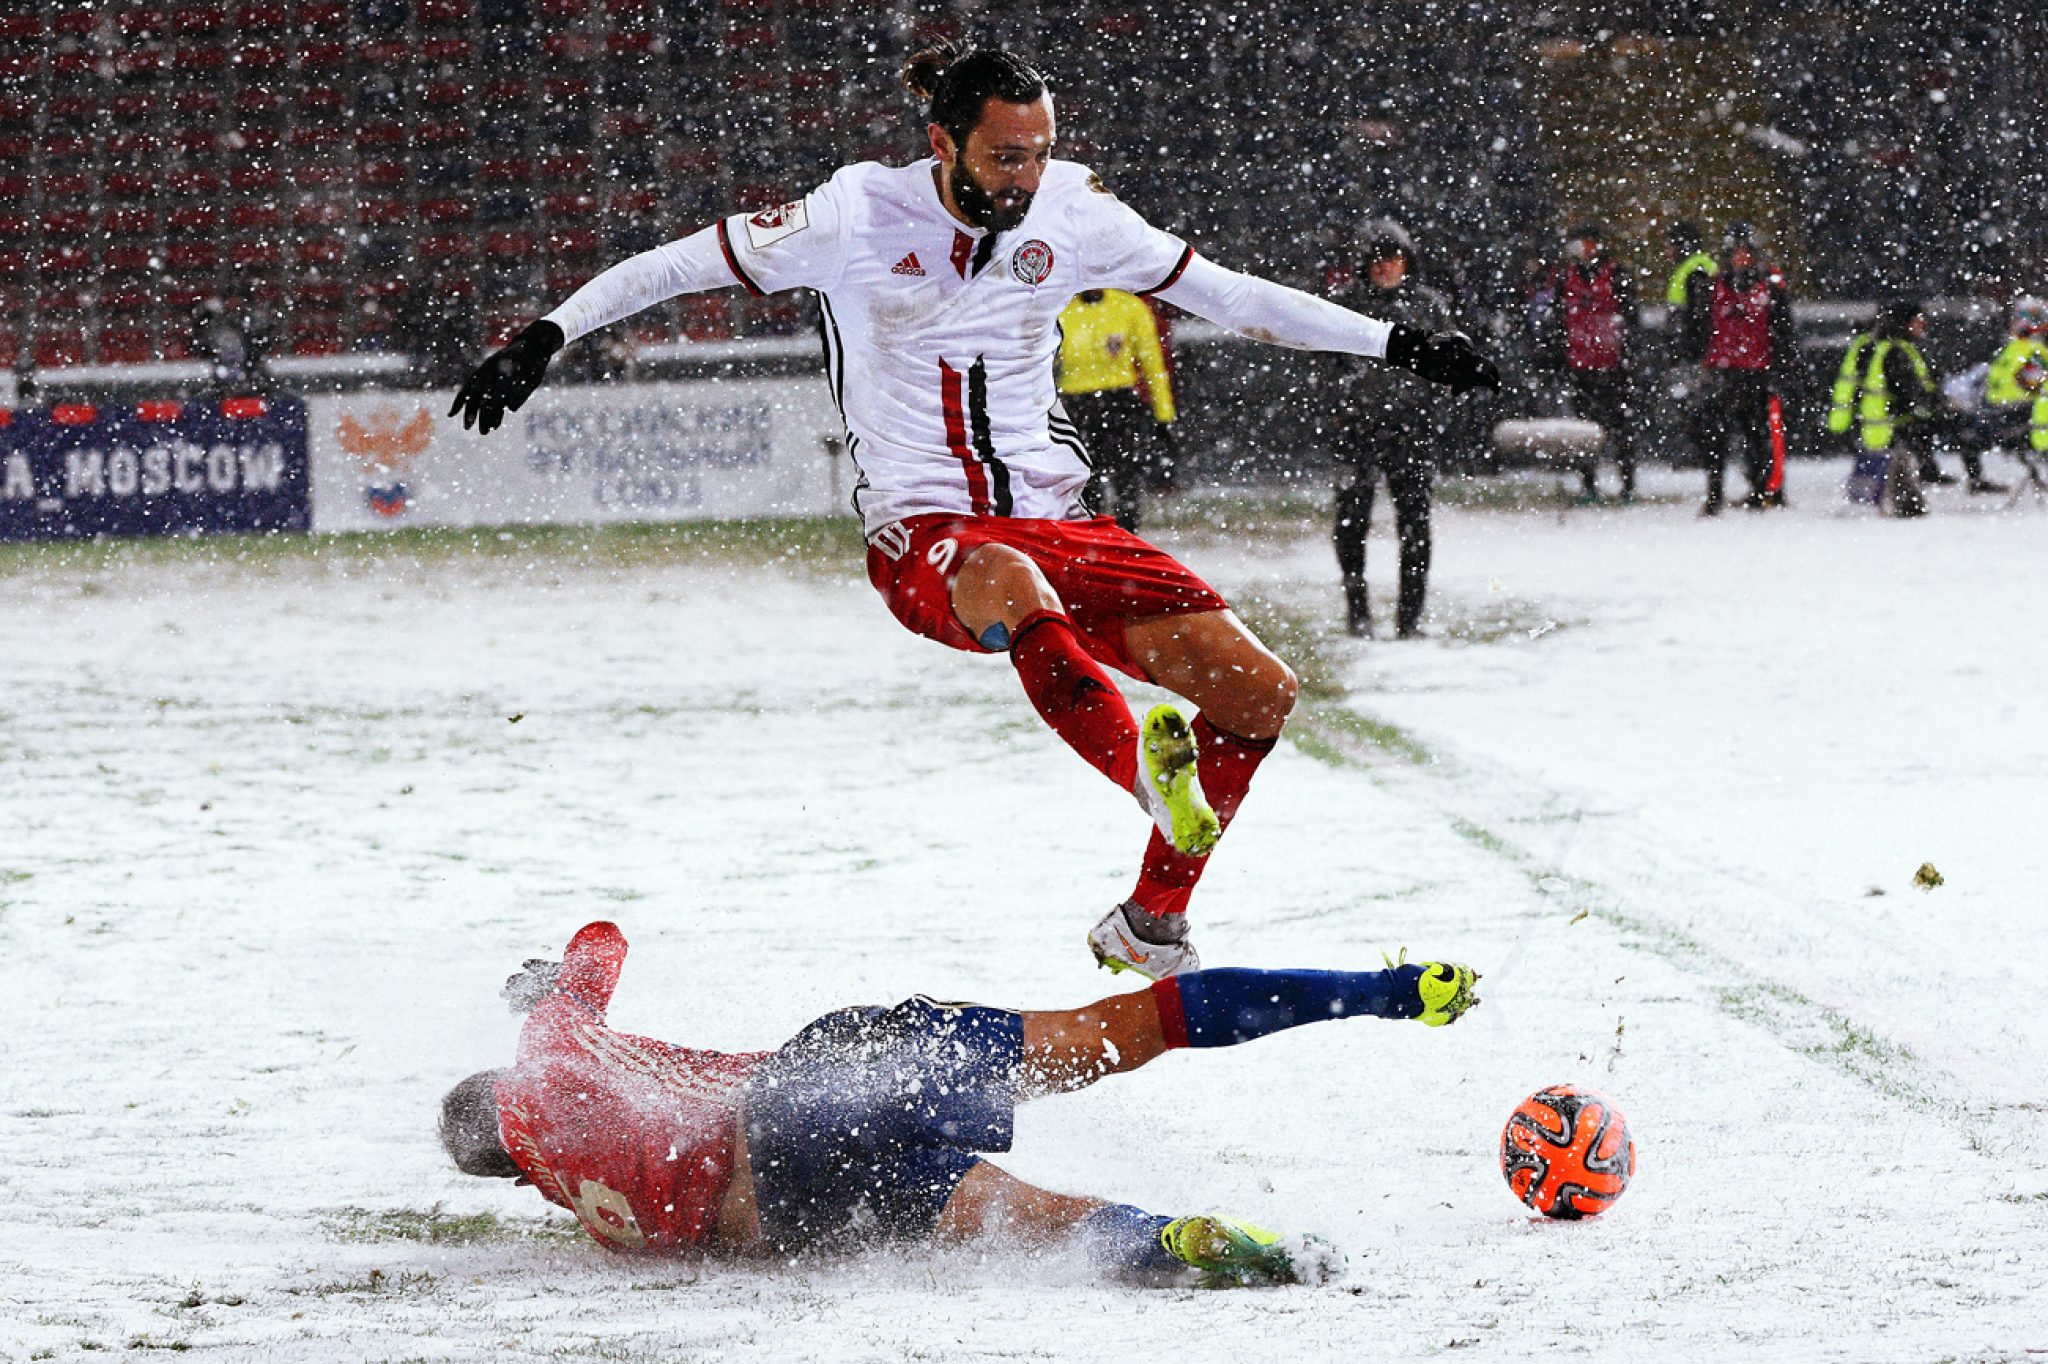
(525, 991)
(1445, 358)
(507, 379)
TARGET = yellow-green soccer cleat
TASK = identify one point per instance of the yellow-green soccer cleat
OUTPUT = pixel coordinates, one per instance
(1169, 788)
(1227, 1253)
(1446, 990)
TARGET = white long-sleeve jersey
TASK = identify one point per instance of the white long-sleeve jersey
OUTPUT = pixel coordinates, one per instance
(940, 339)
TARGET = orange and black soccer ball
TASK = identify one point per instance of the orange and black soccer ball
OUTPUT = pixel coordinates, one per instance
(1566, 1152)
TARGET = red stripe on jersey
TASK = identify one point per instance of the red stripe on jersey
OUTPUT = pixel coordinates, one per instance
(1173, 1020)
(956, 439)
(733, 263)
(1180, 267)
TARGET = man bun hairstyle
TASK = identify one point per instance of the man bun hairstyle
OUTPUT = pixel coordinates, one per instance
(469, 1128)
(955, 81)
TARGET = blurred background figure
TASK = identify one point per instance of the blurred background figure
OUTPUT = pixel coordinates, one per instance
(1109, 345)
(2016, 388)
(234, 343)
(1599, 305)
(1743, 315)
(1899, 406)
(1392, 428)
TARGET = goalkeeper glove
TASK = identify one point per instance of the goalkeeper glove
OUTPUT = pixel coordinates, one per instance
(1445, 358)
(506, 380)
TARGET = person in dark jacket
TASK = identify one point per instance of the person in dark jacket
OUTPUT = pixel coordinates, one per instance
(1743, 317)
(1391, 430)
(1599, 302)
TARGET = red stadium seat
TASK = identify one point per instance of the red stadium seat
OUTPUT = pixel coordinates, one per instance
(445, 94)
(16, 227)
(260, 18)
(381, 135)
(444, 134)
(194, 218)
(384, 174)
(570, 205)
(128, 184)
(202, 19)
(441, 13)
(447, 246)
(124, 346)
(122, 301)
(514, 170)
(707, 317)
(253, 253)
(17, 151)
(69, 185)
(510, 245)
(571, 166)
(319, 213)
(196, 61)
(319, 250)
(142, 19)
(385, 212)
(256, 215)
(454, 50)
(194, 181)
(247, 178)
(319, 16)
(317, 176)
(572, 241)
(316, 333)
(66, 260)
(446, 210)
(21, 26)
(72, 222)
(192, 256)
(129, 260)
(60, 346)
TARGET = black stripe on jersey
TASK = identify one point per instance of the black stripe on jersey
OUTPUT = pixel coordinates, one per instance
(984, 441)
(1187, 253)
(733, 262)
(983, 249)
(835, 354)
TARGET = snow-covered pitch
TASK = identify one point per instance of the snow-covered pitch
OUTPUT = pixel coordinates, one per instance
(276, 822)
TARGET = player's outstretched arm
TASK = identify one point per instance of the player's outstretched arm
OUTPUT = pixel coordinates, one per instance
(1265, 311)
(504, 382)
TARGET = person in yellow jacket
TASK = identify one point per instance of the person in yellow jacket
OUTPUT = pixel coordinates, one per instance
(1109, 339)
(2014, 387)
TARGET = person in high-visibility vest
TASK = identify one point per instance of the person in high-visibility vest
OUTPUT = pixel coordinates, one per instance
(1696, 267)
(1899, 404)
(2014, 387)
(1109, 339)
(1848, 384)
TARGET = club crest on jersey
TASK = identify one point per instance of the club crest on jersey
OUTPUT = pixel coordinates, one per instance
(771, 225)
(1032, 262)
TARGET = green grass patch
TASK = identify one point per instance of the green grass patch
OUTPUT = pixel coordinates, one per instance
(436, 1226)
(819, 542)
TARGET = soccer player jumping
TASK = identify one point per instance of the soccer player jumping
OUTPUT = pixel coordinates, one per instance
(940, 286)
(866, 1127)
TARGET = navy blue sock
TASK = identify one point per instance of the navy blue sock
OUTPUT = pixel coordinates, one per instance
(1125, 1240)
(1225, 1007)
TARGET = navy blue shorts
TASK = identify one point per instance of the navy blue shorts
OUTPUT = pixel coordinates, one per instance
(866, 1121)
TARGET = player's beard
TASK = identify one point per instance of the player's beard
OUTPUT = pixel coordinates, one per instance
(998, 212)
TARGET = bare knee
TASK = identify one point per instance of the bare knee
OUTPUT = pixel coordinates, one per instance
(1258, 705)
(998, 585)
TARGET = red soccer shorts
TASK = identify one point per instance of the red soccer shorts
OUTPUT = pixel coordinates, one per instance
(1104, 575)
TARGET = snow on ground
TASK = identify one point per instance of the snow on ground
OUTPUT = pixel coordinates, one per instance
(274, 825)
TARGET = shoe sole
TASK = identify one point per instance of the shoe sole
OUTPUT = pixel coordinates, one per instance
(1170, 757)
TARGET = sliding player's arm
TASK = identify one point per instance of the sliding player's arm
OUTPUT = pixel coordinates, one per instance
(580, 984)
(778, 248)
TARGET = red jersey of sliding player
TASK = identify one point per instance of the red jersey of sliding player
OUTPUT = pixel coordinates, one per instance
(940, 286)
(633, 1135)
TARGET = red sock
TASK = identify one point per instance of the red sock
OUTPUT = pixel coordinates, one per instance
(1227, 764)
(1075, 696)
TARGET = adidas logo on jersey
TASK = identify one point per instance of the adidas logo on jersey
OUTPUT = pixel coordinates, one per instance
(907, 266)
